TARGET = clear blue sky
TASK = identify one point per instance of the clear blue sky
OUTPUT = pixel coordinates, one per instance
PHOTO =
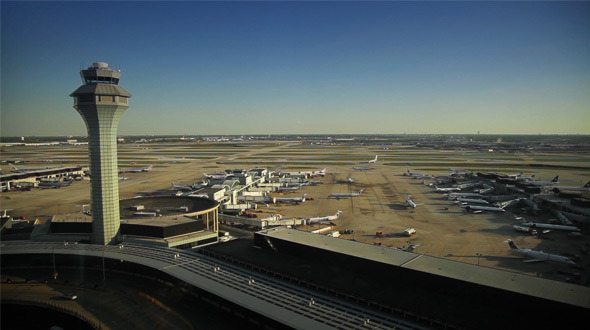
(303, 67)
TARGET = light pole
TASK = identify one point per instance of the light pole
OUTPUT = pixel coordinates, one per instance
(54, 268)
(478, 255)
(103, 270)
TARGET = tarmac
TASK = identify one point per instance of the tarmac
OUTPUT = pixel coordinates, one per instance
(442, 228)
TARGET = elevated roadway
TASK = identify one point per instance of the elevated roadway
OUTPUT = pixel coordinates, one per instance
(287, 304)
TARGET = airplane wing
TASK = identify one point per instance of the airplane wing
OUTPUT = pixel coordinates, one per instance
(532, 260)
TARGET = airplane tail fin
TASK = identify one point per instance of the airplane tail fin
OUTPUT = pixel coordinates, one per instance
(360, 191)
(555, 178)
(587, 185)
(512, 245)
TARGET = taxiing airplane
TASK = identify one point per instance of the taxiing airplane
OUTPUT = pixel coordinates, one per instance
(290, 199)
(318, 173)
(182, 188)
(327, 218)
(535, 256)
(27, 170)
(345, 195)
(135, 170)
(411, 203)
(361, 168)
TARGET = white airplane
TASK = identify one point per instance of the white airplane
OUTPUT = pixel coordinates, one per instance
(415, 175)
(524, 229)
(462, 195)
(550, 226)
(470, 200)
(582, 188)
(216, 176)
(27, 170)
(349, 181)
(539, 255)
(442, 190)
(345, 195)
(361, 168)
(546, 183)
(182, 188)
(290, 199)
(53, 185)
(318, 173)
(373, 161)
(288, 189)
(410, 203)
(324, 219)
(514, 176)
(135, 170)
(482, 208)
(314, 182)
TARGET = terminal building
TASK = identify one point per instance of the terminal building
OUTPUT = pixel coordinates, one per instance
(180, 222)
(458, 294)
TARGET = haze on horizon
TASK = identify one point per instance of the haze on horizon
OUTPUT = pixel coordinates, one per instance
(303, 67)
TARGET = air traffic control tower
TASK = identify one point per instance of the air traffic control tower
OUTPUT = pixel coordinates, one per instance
(101, 102)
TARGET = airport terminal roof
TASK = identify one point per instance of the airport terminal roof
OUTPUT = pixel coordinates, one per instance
(524, 284)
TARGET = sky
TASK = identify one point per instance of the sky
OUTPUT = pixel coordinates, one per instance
(216, 68)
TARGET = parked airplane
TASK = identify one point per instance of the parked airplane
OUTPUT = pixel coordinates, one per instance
(524, 229)
(514, 176)
(550, 226)
(539, 255)
(454, 195)
(415, 175)
(53, 185)
(345, 195)
(443, 190)
(361, 168)
(182, 188)
(582, 188)
(471, 200)
(324, 219)
(482, 208)
(290, 199)
(373, 161)
(546, 183)
(314, 182)
(318, 173)
(288, 189)
(525, 178)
